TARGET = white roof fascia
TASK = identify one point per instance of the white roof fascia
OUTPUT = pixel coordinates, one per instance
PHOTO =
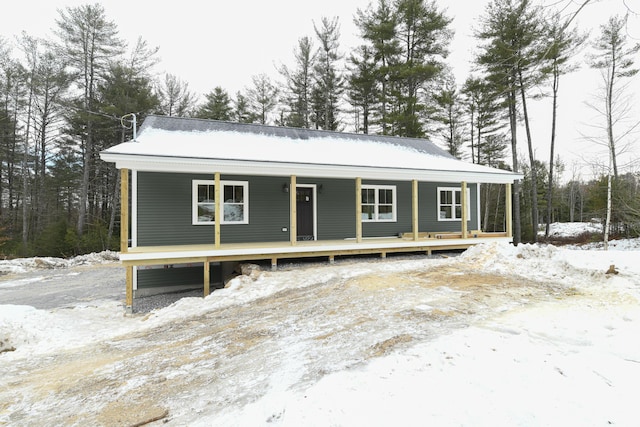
(240, 167)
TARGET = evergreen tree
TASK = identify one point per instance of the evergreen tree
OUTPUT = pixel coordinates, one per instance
(242, 109)
(615, 58)
(298, 83)
(378, 28)
(363, 87)
(124, 91)
(564, 44)
(88, 42)
(448, 112)
(493, 153)
(175, 97)
(217, 105)
(410, 40)
(512, 57)
(263, 97)
(424, 35)
(13, 98)
(328, 80)
(48, 82)
(484, 110)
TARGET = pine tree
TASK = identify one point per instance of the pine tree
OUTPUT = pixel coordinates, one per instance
(263, 97)
(448, 113)
(88, 42)
(424, 35)
(242, 109)
(328, 80)
(217, 105)
(615, 60)
(49, 82)
(512, 57)
(564, 45)
(175, 97)
(484, 110)
(127, 89)
(378, 28)
(363, 87)
(298, 83)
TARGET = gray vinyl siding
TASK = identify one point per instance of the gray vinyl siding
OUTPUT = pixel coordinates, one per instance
(403, 212)
(192, 275)
(165, 211)
(268, 212)
(336, 209)
(428, 208)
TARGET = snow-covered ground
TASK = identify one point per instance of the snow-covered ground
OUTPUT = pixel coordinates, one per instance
(532, 335)
(568, 229)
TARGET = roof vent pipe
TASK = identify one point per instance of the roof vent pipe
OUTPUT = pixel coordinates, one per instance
(133, 122)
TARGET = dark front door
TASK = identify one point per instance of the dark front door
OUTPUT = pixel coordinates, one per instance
(304, 208)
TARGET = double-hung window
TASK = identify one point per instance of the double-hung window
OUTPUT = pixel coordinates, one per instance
(378, 203)
(235, 202)
(450, 204)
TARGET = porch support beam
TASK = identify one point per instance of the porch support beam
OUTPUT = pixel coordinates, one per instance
(414, 209)
(508, 211)
(359, 210)
(124, 235)
(218, 209)
(124, 210)
(129, 291)
(293, 211)
(465, 205)
(207, 277)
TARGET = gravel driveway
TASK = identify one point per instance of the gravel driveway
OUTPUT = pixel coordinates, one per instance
(68, 287)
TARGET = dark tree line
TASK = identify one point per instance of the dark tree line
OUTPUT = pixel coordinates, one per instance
(64, 99)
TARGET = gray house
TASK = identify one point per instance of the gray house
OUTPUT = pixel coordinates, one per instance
(205, 193)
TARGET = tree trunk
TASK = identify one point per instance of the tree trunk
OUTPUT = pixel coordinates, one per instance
(25, 171)
(608, 220)
(114, 208)
(495, 218)
(534, 173)
(609, 112)
(554, 110)
(84, 188)
(517, 228)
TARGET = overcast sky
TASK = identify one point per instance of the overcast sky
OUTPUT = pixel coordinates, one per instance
(225, 43)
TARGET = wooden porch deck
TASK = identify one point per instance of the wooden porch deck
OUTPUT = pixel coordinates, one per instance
(427, 242)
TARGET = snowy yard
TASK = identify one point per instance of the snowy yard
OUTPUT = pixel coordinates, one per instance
(531, 335)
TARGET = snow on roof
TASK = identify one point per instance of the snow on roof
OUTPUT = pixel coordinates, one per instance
(213, 141)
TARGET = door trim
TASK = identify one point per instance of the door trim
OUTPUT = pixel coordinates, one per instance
(314, 191)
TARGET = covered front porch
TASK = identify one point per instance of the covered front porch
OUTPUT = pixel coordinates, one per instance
(413, 240)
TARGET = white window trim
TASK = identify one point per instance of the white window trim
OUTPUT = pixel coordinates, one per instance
(219, 203)
(377, 205)
(454, 189)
